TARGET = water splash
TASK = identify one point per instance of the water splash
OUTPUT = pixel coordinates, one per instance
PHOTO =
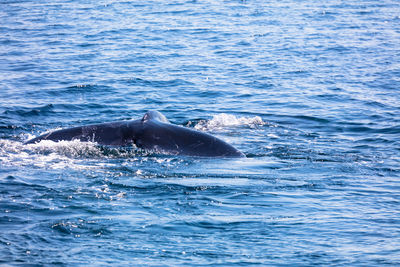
(49, 154)
(222, 120)
(72, 149)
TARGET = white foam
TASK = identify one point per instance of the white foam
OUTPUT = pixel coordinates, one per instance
(222, 120)
(73, 149)
(49, 154)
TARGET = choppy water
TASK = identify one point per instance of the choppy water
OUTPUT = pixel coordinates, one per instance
(308, 90)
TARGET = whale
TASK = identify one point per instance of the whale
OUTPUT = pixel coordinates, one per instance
(153, 132)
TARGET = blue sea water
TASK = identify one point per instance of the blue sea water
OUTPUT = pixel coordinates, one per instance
(308, 90)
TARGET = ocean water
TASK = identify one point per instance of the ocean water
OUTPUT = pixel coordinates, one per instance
(308, 90)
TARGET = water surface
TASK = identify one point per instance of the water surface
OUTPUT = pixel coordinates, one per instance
(308, 90)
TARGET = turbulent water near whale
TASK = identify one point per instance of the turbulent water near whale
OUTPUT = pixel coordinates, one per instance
(307, 90)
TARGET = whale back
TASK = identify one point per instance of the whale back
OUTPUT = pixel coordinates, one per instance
(159, 136)
(153, 132)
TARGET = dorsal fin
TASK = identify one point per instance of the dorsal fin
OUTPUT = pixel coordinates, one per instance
(154, 115)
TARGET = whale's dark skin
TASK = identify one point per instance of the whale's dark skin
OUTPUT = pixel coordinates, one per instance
(153, 132)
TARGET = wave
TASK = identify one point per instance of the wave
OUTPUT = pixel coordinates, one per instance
(158, 83)
(30, 111)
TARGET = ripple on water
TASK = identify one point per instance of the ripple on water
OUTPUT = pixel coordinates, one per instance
(308, 91)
